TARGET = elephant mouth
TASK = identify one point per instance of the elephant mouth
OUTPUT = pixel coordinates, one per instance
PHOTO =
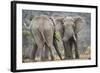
(66, 38)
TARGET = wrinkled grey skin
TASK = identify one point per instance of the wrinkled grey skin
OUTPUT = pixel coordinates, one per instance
(69, 28)
(42, 29)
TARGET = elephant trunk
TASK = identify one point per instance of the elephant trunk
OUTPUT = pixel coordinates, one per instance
(75, 38)
(27, 24)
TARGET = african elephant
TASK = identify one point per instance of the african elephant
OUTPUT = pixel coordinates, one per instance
(68, 27)
(42, 30)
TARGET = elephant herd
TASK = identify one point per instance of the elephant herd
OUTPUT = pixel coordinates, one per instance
(44, 30)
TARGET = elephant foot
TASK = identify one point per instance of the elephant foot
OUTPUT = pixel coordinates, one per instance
(45, 59)
(34, 60)
(52, 58)
(77, 57)
(68, 58)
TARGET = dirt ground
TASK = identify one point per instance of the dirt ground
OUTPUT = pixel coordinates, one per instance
(82, 56)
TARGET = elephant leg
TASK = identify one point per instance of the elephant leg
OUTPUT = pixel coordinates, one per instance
(34, 52)
(76, 51)
(56, 48)
(40, 54)
(50, 48)
(76, 47)
(43, 53)
(71, 47)
(67, 49)
(46, 52)
(39, 42)
(52, 54)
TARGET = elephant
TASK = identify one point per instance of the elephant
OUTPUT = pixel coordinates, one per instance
(42, 30)
(68, 27)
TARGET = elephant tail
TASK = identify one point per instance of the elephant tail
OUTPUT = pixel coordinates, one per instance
(54, 24)
(42, 35)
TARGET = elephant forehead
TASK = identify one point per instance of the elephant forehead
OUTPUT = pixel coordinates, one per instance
(68, 23)
(69, 19)
(58, 26)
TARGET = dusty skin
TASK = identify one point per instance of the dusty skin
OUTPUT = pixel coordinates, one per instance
(55, 37)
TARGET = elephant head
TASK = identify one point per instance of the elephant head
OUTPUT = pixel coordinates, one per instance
(68, 26)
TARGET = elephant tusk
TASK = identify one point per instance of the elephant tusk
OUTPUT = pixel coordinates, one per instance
(74, 37)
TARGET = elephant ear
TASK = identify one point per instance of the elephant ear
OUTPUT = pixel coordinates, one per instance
(79, 24)
(59, 20)
(60, 24)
